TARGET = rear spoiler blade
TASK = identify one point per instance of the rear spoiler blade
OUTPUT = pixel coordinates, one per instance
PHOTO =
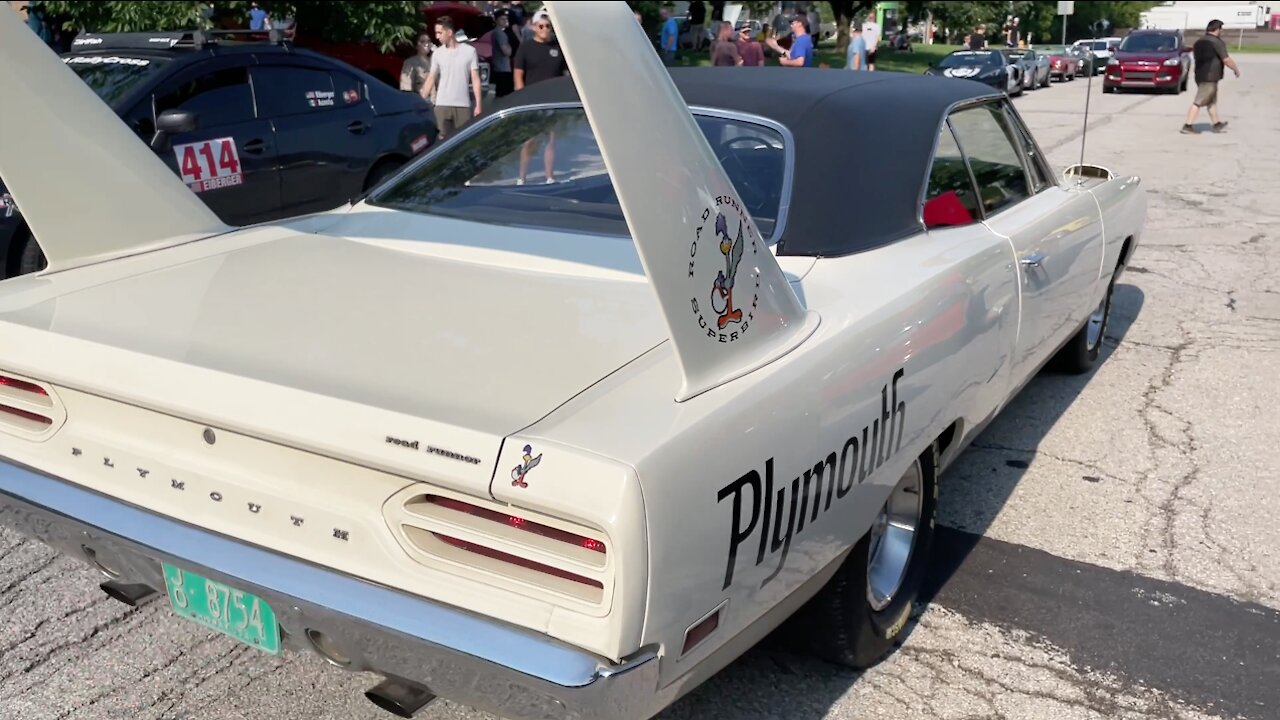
(88, 188)
(727, 303)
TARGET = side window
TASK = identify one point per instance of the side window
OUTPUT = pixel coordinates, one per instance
(992, 156)
(347, 90)
(950, 198)
(286, 91)
(222, 97)
(1037, 166)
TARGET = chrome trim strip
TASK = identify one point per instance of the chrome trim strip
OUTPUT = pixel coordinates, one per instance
(788, 141)
(462, 656)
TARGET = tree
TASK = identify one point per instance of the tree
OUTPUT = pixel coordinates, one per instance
(845, 12)
(385, 23)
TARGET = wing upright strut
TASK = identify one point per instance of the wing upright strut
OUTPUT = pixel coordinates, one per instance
(675, 196)
(89, 189)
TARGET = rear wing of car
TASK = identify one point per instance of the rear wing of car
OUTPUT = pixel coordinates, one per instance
(89, 189)
(727, 303)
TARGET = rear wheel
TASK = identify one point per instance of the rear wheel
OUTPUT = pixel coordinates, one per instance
(1081, 351)
(858, 617)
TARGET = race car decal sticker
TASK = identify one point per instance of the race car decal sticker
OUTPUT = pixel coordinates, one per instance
(320, 98)
(732, 317)
(106, 60)
(7, 206)
(209, 164)
(418, 144)
(350, 96)
(862, 454)
(519, 472)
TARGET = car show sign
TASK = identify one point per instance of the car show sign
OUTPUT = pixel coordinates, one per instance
(209, 164)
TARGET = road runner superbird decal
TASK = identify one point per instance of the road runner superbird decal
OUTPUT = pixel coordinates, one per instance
(732, 246)
(861, 455)
(519, 472)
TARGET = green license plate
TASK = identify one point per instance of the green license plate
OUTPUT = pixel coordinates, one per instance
(232, 612)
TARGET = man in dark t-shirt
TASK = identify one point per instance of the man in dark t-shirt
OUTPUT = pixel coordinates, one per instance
(537, 60)
(1211, 56)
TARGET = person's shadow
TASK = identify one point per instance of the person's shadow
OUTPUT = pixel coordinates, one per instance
(772, 681)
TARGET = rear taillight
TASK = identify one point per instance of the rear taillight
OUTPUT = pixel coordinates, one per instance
(518, 561)
(22, 386)
(27, 408)
(519, 523)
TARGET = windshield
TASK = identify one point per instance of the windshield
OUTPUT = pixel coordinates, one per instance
(969, 59)
(1149, 43)
(498, 174)
(113, 76)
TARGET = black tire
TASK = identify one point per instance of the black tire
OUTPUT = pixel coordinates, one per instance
(839, 624)
(381, 170)
(30, 257)
(1078, 356)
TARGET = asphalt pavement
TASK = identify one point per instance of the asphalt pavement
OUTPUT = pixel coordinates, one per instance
(1109, 548)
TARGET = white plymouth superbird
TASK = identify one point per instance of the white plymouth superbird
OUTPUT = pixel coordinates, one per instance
(573, 410)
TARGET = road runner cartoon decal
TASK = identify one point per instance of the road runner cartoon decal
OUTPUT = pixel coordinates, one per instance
(519, 472)
(861, 455)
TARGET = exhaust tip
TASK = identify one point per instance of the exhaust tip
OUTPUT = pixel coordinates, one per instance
(131, 594)
(400, 697)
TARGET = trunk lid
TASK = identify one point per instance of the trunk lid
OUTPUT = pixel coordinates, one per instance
(440, 356)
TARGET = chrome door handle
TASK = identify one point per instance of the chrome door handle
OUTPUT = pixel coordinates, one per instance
(1034, 260)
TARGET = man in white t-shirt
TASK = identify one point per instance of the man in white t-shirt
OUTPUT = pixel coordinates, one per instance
(871, 36)
(452, 65)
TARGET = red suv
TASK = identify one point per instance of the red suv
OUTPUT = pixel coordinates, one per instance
(1149, 59)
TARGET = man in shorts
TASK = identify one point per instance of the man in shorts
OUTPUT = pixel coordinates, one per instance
(538, 59)
(1211, 55)
(453, 64)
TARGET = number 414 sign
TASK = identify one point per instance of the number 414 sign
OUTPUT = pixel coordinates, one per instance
(209, 164)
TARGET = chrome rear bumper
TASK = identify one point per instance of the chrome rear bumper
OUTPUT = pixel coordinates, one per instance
(463, 657)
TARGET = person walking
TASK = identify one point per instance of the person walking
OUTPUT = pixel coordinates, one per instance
(452, 65)
(505, 45)
(1211, 55)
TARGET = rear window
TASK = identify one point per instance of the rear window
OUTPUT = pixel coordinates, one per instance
(112, 77)
(480, 179)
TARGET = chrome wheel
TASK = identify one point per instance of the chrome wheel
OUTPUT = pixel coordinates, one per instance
(1096, 323)
(893, 538)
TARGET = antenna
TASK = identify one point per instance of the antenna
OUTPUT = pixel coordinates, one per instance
(1101, 26)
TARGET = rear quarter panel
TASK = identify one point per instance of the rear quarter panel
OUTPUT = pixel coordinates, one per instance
(753, 488)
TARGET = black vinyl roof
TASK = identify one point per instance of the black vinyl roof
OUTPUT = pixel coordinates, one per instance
(863, 142)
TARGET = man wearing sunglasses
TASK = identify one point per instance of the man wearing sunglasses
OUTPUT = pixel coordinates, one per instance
(537, 60)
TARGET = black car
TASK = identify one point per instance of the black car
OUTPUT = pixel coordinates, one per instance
(988, 67)
(260, 130)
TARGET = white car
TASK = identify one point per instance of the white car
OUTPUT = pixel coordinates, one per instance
(554, 438)
(1102, 49)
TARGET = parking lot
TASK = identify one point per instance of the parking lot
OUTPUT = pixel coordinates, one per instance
(1108, 550)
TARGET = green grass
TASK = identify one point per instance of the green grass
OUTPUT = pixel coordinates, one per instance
(1253, 48)
(886, 59)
